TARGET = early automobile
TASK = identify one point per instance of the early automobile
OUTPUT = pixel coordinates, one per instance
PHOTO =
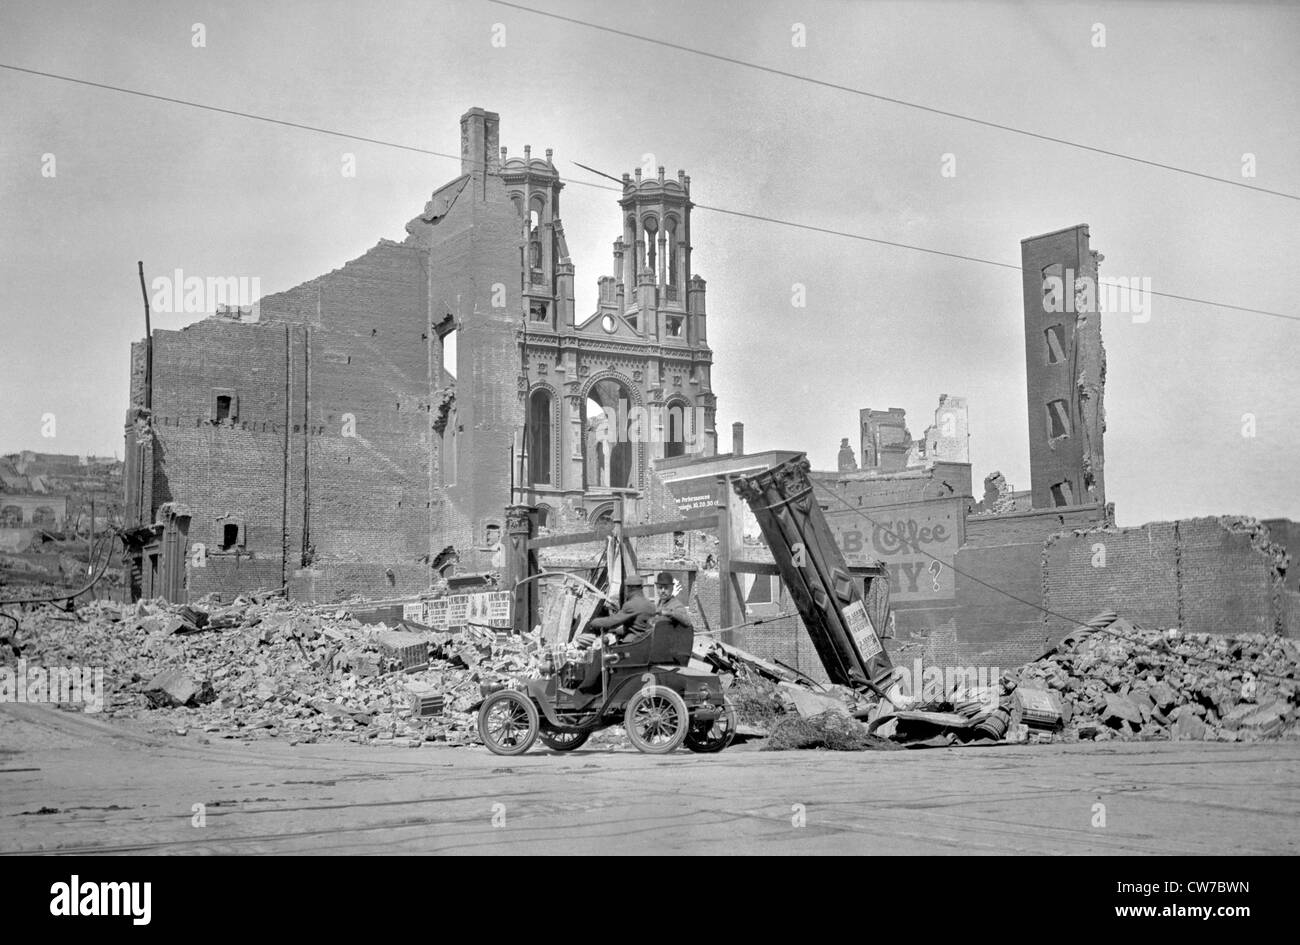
(646, 684)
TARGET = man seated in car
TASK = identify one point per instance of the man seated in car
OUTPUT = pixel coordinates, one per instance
(666, 603)
(635, 618)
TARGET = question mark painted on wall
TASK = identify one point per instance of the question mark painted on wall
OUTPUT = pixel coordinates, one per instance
(935, 568)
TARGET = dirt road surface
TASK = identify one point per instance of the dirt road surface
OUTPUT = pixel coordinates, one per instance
(71, 782)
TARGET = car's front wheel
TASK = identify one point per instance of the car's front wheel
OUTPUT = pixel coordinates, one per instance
(508, 722)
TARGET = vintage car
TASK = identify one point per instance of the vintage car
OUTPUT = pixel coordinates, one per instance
(646, 685)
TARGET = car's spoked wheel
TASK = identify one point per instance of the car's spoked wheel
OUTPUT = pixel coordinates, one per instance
(508, 722)
(656, 720)
(564, 741)
(706, 737)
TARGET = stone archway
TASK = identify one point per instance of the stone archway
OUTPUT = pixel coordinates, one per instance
(612, 433)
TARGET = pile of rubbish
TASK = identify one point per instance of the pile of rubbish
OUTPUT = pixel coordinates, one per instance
(263, 667)
(1111, 680)
(1116, 680)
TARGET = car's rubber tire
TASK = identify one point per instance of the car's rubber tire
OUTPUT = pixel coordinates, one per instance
(564, 741)
(656, 720)
(513, 712)
(712, 740)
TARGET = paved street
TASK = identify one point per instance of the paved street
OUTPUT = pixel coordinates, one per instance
(109, 788)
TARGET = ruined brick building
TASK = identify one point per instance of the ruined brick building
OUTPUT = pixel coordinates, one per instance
(367, 429)
(1065, 369)
(999, 580)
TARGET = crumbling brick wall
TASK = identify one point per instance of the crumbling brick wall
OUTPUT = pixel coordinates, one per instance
(474, 258)
(1200, 574)
(367, 487)
(227, 473)
(1206, 575)
(329, 402)
(1140, 577)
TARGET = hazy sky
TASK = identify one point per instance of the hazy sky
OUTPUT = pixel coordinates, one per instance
(1195, 85)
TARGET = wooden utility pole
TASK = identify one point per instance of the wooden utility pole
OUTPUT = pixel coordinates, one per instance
(148, 343)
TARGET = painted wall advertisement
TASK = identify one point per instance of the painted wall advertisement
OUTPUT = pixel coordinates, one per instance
(908, 539)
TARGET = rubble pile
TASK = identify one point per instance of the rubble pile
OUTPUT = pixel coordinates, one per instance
(263, 667)
(1119, 681)
(832, 730)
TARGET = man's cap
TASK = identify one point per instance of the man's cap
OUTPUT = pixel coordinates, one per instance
(664, 579)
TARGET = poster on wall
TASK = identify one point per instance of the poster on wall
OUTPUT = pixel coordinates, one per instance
(435, 613)
(483, 609)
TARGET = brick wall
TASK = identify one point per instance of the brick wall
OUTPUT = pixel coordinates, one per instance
(1139, 578)
(1226, 585)
(367, 409)
(1197, 574)
(1015, 527)
(347, 355)
(228, 473)
(1287, 534)
(474, 277)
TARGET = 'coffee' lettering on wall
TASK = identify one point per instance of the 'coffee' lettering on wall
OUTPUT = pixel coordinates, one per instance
(908, 539)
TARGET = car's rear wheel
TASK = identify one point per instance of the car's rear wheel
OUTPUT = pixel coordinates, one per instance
(656, 720)
(565, 741)
(508, 722)
(708, 737)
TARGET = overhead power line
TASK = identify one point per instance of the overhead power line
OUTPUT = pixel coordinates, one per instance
(892, 100)
(807, 227)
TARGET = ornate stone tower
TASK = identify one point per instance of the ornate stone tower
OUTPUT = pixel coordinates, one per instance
(630, 384)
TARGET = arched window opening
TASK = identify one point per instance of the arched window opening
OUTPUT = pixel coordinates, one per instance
(670, 225)
(539, 437)
(651, 227)
(608, 458)
(675, 431)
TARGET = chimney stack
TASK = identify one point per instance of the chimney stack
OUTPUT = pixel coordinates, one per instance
(480, 133)
(738, 438)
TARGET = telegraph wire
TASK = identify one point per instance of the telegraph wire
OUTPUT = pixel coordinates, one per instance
(890, 100)
(808, 227)
(737, 213)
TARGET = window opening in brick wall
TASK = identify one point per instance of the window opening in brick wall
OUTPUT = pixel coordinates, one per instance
(1053, 277)
(229, 537)
(449, 352)
(224, 406)
(1055, 344)
(1062, 494)
(1058, 419)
